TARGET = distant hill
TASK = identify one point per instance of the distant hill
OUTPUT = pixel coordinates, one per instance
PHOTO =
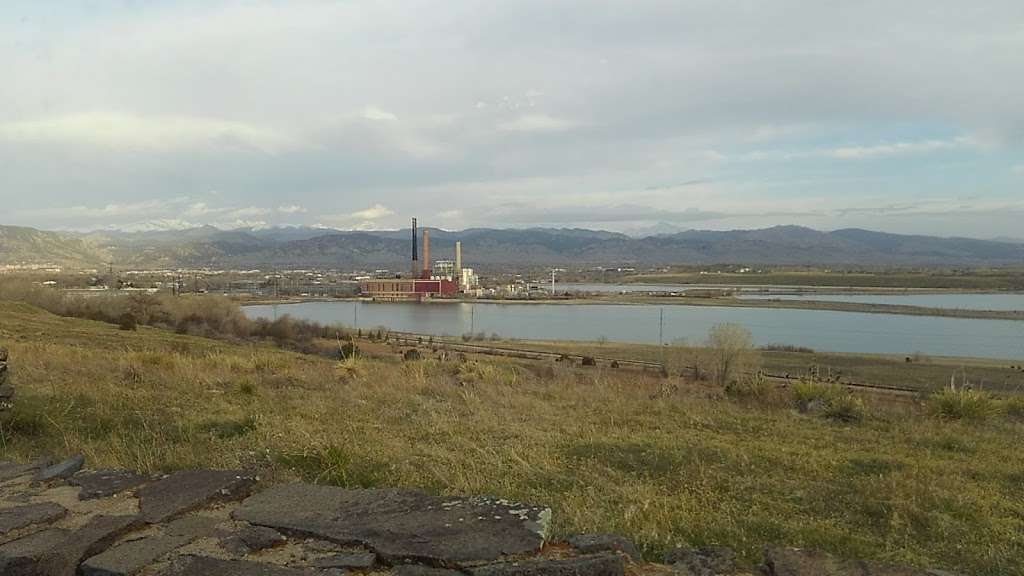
(19, 245)
(315, 247)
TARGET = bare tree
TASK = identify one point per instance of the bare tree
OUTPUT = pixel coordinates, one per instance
(730, 352)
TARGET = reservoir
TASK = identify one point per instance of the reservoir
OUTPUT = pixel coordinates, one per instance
(946, 300)
(950, 300)
(819, 329)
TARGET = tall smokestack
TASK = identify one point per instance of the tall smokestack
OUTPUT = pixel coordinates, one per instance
(426, 253)
(458, 258)
(415, 252)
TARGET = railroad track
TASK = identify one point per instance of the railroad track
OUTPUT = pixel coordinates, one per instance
(417, 340)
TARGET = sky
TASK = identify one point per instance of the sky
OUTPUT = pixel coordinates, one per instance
(629, 115)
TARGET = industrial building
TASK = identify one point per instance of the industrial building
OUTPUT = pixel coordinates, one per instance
(443, 279)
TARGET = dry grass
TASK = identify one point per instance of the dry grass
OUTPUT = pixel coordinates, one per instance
(664, 462)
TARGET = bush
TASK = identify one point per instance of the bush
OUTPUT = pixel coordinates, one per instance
(127, 322)
(845, 408)
(786, 348)
(832, 401)
(1014, 407)
(749, 387)
(730, 352)
(964, 404)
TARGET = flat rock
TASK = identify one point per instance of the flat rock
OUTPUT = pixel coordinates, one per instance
(358, 561)
(403, 525)
(808, 562)
(64, 469)
(593, 543)
(22, 557)
(22, 516)
(252, 539)
(194, 526)
(418, 570)
(10, 470)
(205, 566)
(105, 483)
(704, 561)
(92, 538)
(131, 557)
(189, 490)
(593, 565)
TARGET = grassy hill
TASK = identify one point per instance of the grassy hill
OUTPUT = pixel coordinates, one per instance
(666, 462)
(19, 245)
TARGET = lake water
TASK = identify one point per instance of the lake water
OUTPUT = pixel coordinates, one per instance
(963, 301)
(821, 330)
(953, 301)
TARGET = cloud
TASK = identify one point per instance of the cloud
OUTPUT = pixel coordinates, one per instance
(1018, 170)
(248, 212)
(375, 212)
(525, 214)
(537, 123)
(490, 102)
(372, 113)
(291, 209)
(145, 132)
(899, 148)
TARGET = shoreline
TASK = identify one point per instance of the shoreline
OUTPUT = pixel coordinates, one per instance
(721, 302)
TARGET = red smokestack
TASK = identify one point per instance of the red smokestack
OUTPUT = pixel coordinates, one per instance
(426, 253)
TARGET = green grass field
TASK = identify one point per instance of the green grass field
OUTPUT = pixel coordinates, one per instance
(664, 461)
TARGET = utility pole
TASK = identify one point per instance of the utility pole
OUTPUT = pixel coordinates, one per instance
(355, 314)
(552, 281)
(472, 319)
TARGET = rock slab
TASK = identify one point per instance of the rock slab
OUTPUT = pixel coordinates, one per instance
(360, 561)
(402, 525)
(252, 539)
(21, 516)
(131, 557)
(64, 469)
(593, 565)
(188, 490)
(92, 538)
(22, 557)
(205, 566)
(105, 483)
(10, 470)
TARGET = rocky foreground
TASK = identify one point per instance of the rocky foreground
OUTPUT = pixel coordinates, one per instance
(61, 520)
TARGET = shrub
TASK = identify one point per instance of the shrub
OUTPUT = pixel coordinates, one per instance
(747, 387)
(963, 404)
(810, 390)
(1014, 407)
(845, 408)
(786, 348)
(127, 322)
(730, 352)
(832, 401)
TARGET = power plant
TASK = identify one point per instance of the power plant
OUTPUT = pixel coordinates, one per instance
(444, 279)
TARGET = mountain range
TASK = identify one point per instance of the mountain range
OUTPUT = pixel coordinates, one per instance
(487, 247)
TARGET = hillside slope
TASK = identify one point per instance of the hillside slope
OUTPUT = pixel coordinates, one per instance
(664, 462)
(306, 247)
(19, 245)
